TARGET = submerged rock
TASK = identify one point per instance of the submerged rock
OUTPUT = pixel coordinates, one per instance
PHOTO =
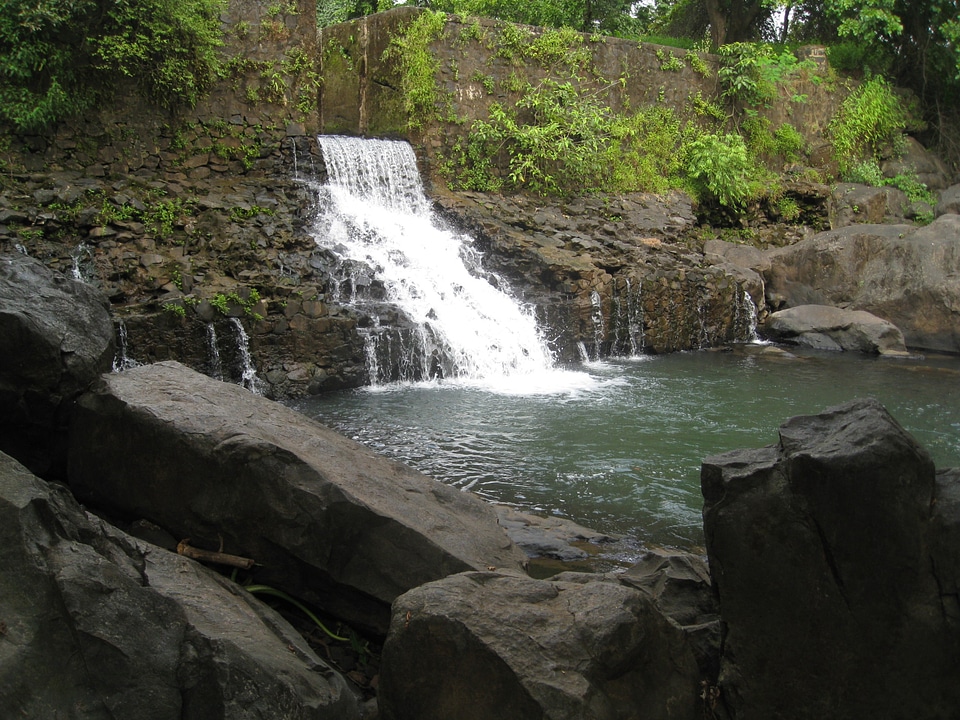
(325, 518)
(486, 645)
(832, 554)
(99, 625)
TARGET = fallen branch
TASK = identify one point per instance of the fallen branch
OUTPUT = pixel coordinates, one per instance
(184, 548)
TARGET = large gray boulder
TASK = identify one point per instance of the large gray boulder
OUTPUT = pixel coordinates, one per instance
(325, 518)
(907, 275)
(97, 625)
(823, 327)
(485, 646)
(833, 554)
(56, 338)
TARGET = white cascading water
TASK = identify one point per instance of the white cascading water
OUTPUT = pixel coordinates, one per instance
(374, 213)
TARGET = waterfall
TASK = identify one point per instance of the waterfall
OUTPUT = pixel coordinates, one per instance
(216, 365)
(748, 308)
(122, 361)
(393, 254)
(82, 264)
(248, 373)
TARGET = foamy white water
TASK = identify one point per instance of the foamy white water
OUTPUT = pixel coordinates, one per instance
(376, 214)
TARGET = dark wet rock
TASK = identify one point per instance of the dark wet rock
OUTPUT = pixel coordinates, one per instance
(909, 276)
(823, 327)
(57, 338)
(609, 274)
(679, 584)
(99, 625)
(833, 558)
(326, 519)
(487, 645)
(549, 537)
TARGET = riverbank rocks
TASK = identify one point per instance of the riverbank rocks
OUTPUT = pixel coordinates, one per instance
(57, 337)
(823, 327)
(483, 645)
(909, 276)
(832, 553)
(98, 625)
(326, 519)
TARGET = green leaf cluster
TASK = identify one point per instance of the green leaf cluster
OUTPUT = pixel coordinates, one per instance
(561, 138)
(418, 66)
(60, 58)
(869, 120)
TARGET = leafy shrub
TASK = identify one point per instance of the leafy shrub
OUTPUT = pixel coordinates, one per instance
(789, 143)
(722, 166)
(59, 59)
(869, 119)
(558, 139)
(418, 66)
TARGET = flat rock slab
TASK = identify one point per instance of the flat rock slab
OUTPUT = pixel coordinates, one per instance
(98, 625)
(325, 518)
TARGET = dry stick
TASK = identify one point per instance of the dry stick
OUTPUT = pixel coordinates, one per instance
(184, 548)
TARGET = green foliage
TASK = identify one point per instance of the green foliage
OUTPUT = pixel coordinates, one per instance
(223, 302)
(161, 218)
(558, 139)
(869, 119)
(750, 73)
(868, 172)
(788, 142)
(723, 167)
(673, 63)
(59, 59)
(239, 214)
(418, 67)
(175, 309)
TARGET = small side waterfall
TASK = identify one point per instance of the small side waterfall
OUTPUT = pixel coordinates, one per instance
(248, 373)
(454, 321)
(122, 361)
(216, 365)
(746, 319)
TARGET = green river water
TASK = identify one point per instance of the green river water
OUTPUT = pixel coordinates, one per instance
(617, 445)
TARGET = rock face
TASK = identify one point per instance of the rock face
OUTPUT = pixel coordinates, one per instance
(907, 275)
(829, 328)
(99, 625)
(57, 337)
(851, 203)
(831, 553)
(949, 203)
(328, 520)
(609, 275)
(487, 645)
